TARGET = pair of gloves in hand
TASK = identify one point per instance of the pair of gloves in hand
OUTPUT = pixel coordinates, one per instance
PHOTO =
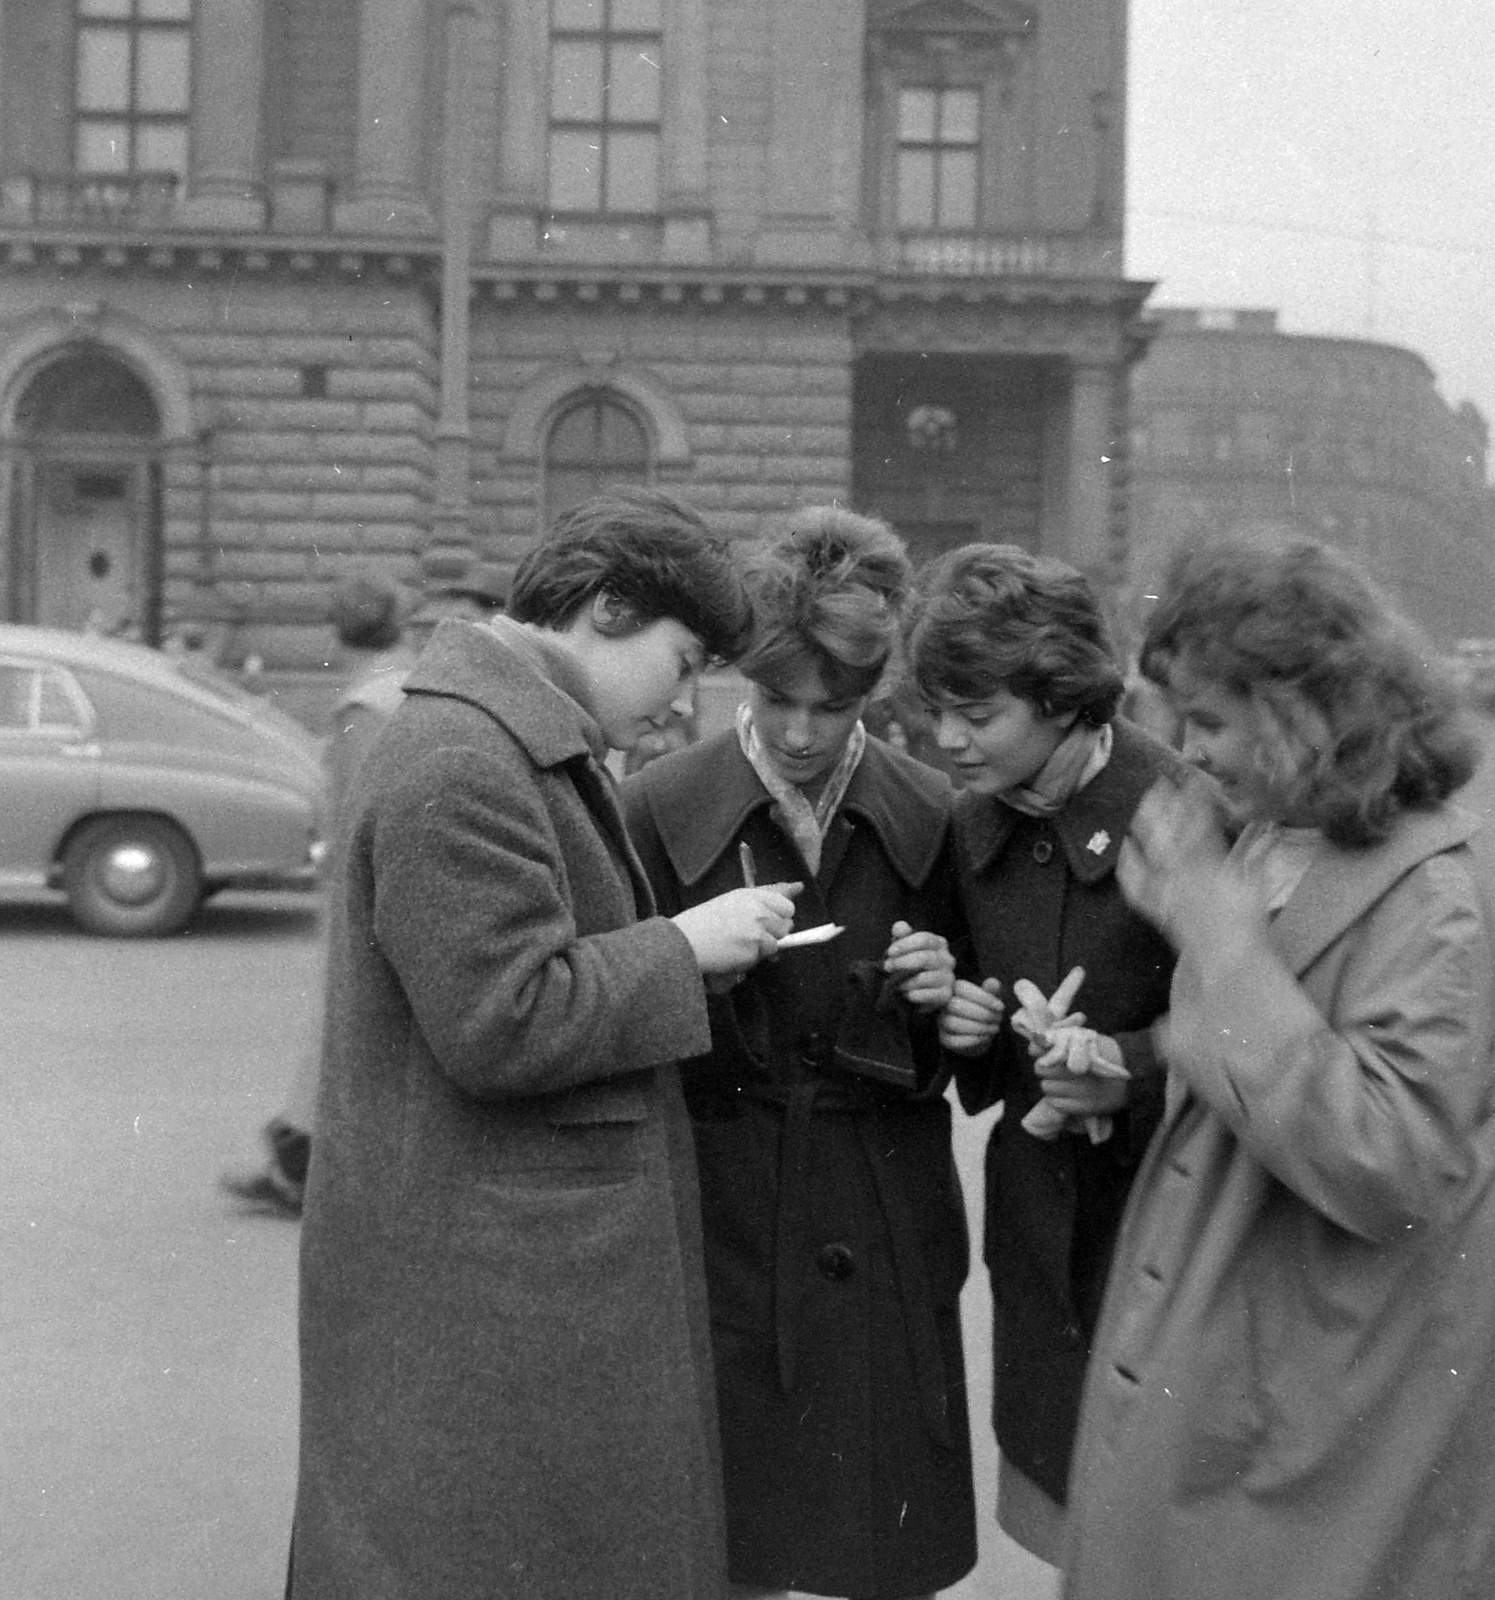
(1057, 1038)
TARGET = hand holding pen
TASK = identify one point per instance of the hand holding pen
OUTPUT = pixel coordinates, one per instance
(734, 931)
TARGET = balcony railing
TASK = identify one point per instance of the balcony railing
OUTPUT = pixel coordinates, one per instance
(967, 255)
(89, 199)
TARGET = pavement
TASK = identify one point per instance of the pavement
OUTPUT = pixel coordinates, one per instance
(148, 1391)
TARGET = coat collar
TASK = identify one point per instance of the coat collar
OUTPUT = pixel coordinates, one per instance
(1091, 826)
(506, 670)
(700, 798)
(1340, 886)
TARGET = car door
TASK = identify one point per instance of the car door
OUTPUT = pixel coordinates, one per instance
(49, 765)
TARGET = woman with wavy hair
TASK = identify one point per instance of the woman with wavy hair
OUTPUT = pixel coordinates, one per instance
(1012, 654)
(833, 1221)
(1292, 1393)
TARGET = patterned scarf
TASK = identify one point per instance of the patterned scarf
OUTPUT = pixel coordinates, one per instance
(806, 824)
(1079, 756)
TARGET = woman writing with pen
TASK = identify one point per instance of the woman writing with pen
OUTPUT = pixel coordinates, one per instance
(833, 1222)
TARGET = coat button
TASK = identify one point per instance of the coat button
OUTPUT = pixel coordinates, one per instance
(1043, 852)
(836, 1262)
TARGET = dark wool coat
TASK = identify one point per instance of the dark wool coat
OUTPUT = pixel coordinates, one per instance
(505, 1364)
(1293, 1391)
(835, 1229)
(1040, 896)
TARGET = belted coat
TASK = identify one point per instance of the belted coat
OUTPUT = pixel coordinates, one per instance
(505, 1360)
(1040, 896)
(834, 1225)
(1292, 1395)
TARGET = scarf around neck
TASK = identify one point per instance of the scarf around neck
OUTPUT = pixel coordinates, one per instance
(1079, 756)
(806, 824)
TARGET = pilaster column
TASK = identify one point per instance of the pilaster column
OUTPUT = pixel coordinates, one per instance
(1087, 521)
(683, 199)
(224, 189)
(525, 109)
(387, 196)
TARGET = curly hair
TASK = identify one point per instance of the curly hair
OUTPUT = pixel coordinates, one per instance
(827, 592)
(650, 554)
(988, 617)
(1361, 722)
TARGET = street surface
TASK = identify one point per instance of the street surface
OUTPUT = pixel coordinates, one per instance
(148, 1390)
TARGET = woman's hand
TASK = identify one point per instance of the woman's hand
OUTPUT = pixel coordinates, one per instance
(734, 931)
(1173, 868)
(1082, 1074)
(972, 1017)
(922, 967)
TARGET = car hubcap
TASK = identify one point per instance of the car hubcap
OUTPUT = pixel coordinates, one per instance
(132, 874)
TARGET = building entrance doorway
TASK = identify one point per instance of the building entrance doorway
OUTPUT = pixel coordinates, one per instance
(84, 550)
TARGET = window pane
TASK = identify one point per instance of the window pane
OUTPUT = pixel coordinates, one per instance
(633, 84)
(577, 14)
(916, 116)
(56, 707)
(960, 111)
(161, 69)
(575, 81)
(915, 189)
(575, 172)
(161, 147)
(103, 8)
(633, 172)
(166, 10)
(958, 189)
(622, 440)
(103, 70)
(103, 147)
(635, 16)
(15, 697)
(574, 437)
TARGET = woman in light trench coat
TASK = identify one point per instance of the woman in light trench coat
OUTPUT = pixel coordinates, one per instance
(506, 1387)
(1292, 1392)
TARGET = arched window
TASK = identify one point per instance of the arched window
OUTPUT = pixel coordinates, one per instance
(594, 442)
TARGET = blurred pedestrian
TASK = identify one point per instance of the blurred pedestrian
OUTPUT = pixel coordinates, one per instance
(834, 1224)
(366, 617)
(505, 1374)
(1292, 1395)
(1012, 655)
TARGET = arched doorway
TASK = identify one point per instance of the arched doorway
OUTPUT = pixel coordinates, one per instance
(85, 513)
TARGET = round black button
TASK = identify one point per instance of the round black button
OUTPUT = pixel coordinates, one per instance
(836, 1262)
(1043, 852)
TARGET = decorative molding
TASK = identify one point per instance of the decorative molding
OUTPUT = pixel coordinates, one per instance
(39, 339)
(536, 405)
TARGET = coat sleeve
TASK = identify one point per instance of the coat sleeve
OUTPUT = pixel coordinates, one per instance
(472, 910)
(1368, 1115)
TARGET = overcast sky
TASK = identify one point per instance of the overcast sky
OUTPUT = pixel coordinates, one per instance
(1331, 159)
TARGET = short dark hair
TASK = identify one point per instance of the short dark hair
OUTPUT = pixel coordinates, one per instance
(651, 554)
(1369, 725)
(987, 617)
(827, 592)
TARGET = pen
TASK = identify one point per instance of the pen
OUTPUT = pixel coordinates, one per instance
(749, 868)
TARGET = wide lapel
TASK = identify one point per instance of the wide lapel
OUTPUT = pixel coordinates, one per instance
(1340, 886)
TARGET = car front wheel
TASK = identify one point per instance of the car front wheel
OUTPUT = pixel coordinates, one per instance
(132, 877)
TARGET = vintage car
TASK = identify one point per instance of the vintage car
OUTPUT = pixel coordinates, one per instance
(139, 783)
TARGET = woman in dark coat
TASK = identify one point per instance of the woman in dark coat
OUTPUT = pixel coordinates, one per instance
(834, 1227)
(505, 1373)
(1011, 652)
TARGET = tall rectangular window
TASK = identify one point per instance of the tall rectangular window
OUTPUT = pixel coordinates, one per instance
(132, 85)
(606, 71)
(939, 142)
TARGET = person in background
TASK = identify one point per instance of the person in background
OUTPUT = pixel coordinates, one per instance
(365, 616)
(1292, 1393)
(834, 1224)
(1013, 658)
(505, 1374)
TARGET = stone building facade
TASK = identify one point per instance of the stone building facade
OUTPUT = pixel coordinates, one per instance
(1235, 422)
(296, 288)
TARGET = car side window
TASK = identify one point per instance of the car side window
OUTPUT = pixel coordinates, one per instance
(16, 694)
(38, 699)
